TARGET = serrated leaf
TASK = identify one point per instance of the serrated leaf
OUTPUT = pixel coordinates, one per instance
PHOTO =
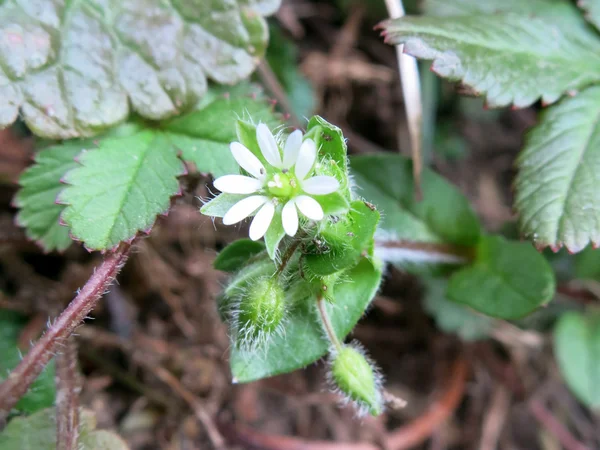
(551, 8)
(41, 393)
(507, 56)
(508, 279)
(592, 11)
(577, 349)
(38, 432)
(233, 257)
(451, 317)
(120, 188)
(203, 136)
(557, 193)
(303, 341)
(73, 69)
(442, 217)
(40, 186)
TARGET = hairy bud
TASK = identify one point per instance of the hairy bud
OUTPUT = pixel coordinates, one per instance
(354, 376)
(260, 312)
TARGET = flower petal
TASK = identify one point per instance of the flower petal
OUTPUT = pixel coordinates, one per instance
(262, 220)
(268, 146)
(291, 149)
(243, 209)
(306, 158)
(237, 184)
(320, 185)
(309, 207)
(289, 218)
(247, 161)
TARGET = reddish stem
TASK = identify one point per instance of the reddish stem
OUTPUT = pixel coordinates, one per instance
(19, 380)
(553, 425)
(68, 387)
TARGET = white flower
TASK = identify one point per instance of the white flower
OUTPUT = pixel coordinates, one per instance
(284, 181)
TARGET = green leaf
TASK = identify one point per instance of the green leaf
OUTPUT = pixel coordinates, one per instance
(282, 55)
(443, 216)
(233, 257)
(120, 188)
(332, 150)
(507, 280)
(506, 55)
(545, 8)
(577, 349)
(303, 341)
(557, 193)
(346, 240)
(219, 205)
(38, 432)
(451, 317)
(41, 393)
(275, 233)
(40, 186)
(203, 136)
(587, 264)
(73, 69)
(592, 9)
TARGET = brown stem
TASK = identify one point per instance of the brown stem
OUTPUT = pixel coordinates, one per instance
(545, 417)
(417, 431)
(287, 256)
(68, 387)
(19, 380)
(270, 80)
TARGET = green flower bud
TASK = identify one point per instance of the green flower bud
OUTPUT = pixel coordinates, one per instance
(260, 312)
(353, 374)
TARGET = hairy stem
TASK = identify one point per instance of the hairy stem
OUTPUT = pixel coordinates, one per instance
(68, 387)
(19, 380)
(327, 325)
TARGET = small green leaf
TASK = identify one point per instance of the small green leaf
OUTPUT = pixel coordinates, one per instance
(275, 233)
(218, 206)
(592, 9)
(451, 317)
(552, 8)
(120, 188)
(203, 136)
(507, 280)
(40, 186)
(233, 257)
(577, 349)
(346, 240)
(333, 204)
(74, 68)
(505, 55)
(443, 216)
(557, 193)
(41, 393)
(303, 341)
(38, 432)
(332, 150)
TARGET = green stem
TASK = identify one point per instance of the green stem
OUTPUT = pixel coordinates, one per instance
(327, 325)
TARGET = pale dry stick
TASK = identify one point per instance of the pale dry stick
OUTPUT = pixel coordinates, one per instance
(270, 80)
(411, 90)
(32, 364)
(494, 420)
(68, 388)
(554, 426)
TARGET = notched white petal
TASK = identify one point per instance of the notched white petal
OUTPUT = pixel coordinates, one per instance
(247, 160)
(237, 184)
(320, 185)
(268, 146)
(306, 158)
(289, 218)
(291, 149)
(309, 207)
(243, 209)
(262, 220)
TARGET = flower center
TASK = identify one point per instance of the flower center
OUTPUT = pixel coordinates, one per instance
(282, 185)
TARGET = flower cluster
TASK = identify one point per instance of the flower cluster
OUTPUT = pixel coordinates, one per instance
(285, 179)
